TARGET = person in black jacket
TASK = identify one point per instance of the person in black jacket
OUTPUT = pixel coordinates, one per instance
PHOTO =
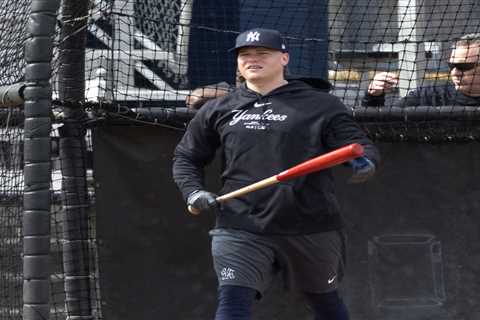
(263, 127)
(463, 90)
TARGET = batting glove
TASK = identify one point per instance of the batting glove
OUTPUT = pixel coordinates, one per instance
(363, 169)
(202, 200)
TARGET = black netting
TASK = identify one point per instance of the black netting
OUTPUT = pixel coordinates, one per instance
(143, 56)
(11, 190)
(12, 30)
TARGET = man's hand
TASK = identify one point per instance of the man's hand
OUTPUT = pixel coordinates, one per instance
(363, 169)
(382, 83)
(201, 200)
(197, 98)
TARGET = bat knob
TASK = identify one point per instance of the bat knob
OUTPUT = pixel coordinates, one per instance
(194, 211)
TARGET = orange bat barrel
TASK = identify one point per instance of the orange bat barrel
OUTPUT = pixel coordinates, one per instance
(324, 161)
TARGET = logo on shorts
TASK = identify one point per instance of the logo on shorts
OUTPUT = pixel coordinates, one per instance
(227, 274)
(330, 281)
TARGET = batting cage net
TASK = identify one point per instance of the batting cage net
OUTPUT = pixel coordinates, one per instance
(145, 55)
(13, 33)
(407, 69)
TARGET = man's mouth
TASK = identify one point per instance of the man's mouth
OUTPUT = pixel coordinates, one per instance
(254, 67)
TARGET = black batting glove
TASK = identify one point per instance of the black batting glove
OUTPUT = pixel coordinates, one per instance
(363, 169)
(202, 200)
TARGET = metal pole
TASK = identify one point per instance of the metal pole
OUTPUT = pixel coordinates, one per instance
(411, 54)
(122, 46)
(71, 92)
(36, 218)
(183, 38)
(12, 95)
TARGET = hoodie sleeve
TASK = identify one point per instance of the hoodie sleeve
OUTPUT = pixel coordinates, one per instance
(342, 130)
(417, 97)
(195, 150)
(373, 101)
(413, 98)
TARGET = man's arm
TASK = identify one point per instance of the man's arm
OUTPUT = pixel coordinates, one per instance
(342, 130)
(373, 101)
(197, 98)
(382, 83)
(385, 82)
(195, 150)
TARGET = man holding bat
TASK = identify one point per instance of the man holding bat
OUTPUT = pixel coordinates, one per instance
(262, 128)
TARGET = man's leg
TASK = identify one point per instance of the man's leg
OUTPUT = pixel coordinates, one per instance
(235, 303)
(327, 306)
(243, 263)
(316, 266)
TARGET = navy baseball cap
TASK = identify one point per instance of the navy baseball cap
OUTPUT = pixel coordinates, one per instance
(258, 37)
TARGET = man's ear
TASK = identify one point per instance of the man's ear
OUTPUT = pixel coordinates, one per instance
(285, 59)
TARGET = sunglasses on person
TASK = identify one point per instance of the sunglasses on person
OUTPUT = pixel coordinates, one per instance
(463, 66)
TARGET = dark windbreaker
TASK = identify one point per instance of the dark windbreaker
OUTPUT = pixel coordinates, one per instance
(260, 136)
(444, 95)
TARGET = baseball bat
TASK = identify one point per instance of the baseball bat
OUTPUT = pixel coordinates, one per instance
(324, 161)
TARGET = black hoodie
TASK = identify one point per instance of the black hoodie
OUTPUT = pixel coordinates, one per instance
(260, 136)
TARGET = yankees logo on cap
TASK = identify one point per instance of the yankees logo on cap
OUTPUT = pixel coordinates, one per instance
(259, 37)
(253, 36)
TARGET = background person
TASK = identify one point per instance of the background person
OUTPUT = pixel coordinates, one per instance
(463, 89)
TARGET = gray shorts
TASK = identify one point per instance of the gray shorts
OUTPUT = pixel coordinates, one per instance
(308, 263)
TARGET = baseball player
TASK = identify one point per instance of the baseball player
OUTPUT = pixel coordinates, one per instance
(266, 125)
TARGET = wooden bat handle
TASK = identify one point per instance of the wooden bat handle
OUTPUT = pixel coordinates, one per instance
(255, 186)
(252, 187)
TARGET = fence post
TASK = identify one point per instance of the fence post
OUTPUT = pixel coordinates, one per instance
(75, 201)
(37, 127)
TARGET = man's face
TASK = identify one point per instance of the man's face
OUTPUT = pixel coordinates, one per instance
(261, 64)
(465, 69)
